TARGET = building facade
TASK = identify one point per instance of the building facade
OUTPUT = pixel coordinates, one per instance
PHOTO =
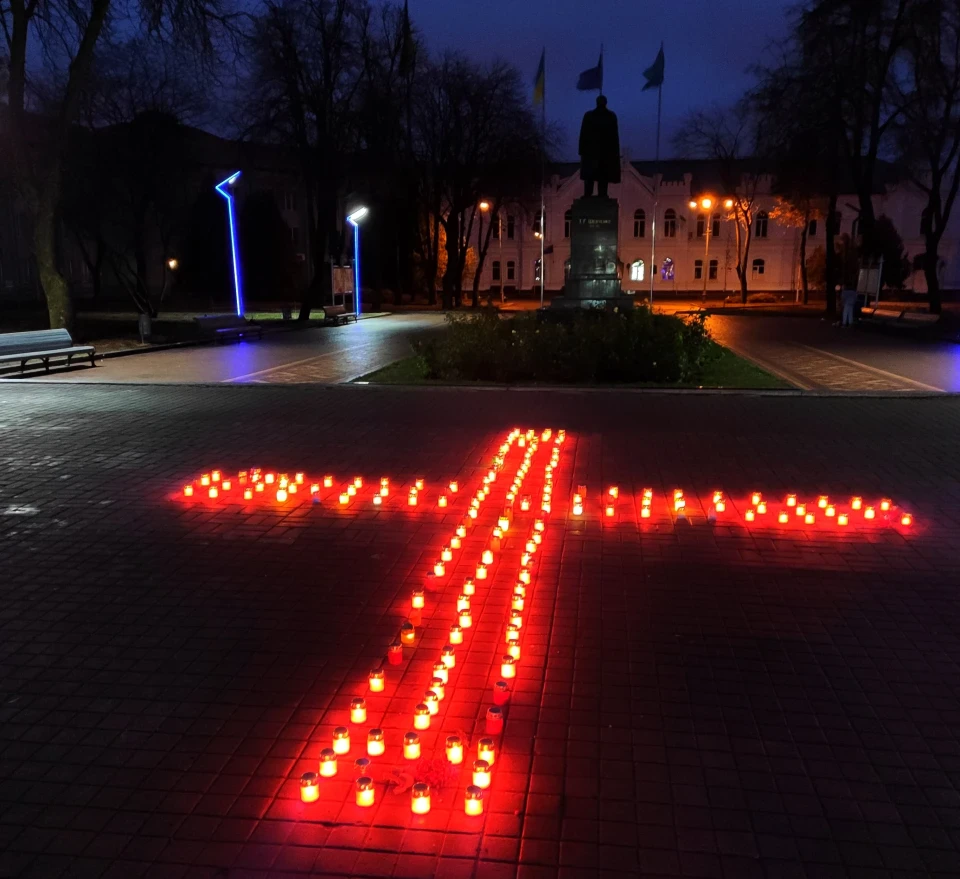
(691, 244)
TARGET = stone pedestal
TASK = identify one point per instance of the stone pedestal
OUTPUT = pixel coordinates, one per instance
(593, 280)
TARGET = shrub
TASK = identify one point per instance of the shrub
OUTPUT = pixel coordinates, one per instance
(592, 347)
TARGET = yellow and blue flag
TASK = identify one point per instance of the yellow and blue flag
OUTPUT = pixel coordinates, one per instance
(540, 80)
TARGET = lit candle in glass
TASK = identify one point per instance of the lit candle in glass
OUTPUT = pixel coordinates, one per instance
(508, 667)
(822, 501)
(783, 517)
(442, 500)
(461, 530)
(856, 503)
(473, 801)
(213, 492)
(501, 693)
(454, 487)
(384, 492)
(463, 602)
(395, 653)
(717, 497)
(472, 513)
(750, 515)
(315, 488)
(514, 649)
(419, 483)
(248, 494)
(365, 791)
(842, 519)
(791, 500)
(344, 498)
(375, 744)
(456, 634)
(809, 518)
(215, 475)
(420, 798)
(885, 504)
(377, 500)
(309, 787)
(520, 589)
(448, 656)
(439, 568)
(468, 586)
(341, 740)
(516, 603)
(188, 491)
(487, 557)
(258, 487)
(494, 721)
(524, 576)
(801, 509)
(762, 508)
(610, 510)
(830, 511)
(328, 763)
(358, 482)
(525, 503)
(454, 748)
(530, 546)
(869, 513)
(906, 519)
(417, 599)
(645, 512)
(481, 572)
(411, 500)
(455, 542)
(226, 484)
(421, 717)
(283, 482)
(328, 482)
(437, 686)
(481, 774)
(577, 508)
(755, 498)
(351, 491)
(466, 619)
(411, 746)
(377, 680)
(516, 619)
(408, 632)
(720, 506)
(358, 710)
(513, 633)
(205, 479)
(487, 750)
(440, 671)
(281, 495)
(446, 554)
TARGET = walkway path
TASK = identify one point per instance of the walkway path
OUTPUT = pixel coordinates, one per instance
(724, 699)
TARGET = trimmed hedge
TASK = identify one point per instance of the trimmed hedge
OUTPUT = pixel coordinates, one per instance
(589, 347)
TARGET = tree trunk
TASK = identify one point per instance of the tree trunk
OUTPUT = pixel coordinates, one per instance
(59, 310)
(804, 285)
(745, 262)
(830, 257)
(452, 228)
(931, 260)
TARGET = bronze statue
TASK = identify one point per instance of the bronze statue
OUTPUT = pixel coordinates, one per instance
(599, 149)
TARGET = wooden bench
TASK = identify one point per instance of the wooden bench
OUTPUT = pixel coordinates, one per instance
(893, 317)
(227, 326)
(42, 345)
(337, 315)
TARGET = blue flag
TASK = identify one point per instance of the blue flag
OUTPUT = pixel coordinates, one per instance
(540, 80)
(654, 73)
(592, 79)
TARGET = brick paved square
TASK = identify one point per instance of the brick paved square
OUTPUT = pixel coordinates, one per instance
(693, 698)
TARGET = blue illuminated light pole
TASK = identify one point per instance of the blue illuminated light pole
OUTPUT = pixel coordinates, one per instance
(354, 220)
(221, 187)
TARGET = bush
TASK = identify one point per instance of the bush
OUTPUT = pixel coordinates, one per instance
(591, 347)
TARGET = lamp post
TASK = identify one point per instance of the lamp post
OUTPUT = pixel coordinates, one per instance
(223, 189)
(354, 219)
(706, 203)
(484, 207)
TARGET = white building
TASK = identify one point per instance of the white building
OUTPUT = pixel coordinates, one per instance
(681, 256)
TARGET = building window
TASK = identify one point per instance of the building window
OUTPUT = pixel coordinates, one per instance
(537, 269)
(701, 225)
(496, 227)
(812, 229)
(758, 267)
(669, 224)
(537, 225)
(714, 266)
(698, 270)
(762, 223)
(511, 270)
(637, 270)
(666, 270)
(496, 270)
(715, 231)
(567, 220)
(511, 227)
(639, 224)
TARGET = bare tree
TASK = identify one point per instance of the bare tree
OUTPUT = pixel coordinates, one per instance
(728, 139)
(796, 212)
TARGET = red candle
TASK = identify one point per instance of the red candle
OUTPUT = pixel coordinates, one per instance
(395, 653)
(494, 722)
(501, 693)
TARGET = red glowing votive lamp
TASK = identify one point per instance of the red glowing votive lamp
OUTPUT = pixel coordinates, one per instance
(610, 510)
(188, 491)
(258, 487)
(486, 750)
(473, 801)
(514, 649)
(516, 603)
(455, 542)
(205, 479)
(791, 500)
(448, 656)
(801, 509)
(762, 508)
(885, 504)
(454, 487)
(309, 787)
(421, 717)
(420, 798)
(461, 530)
(248, 494)
(344, 498)
(516, 619)
(809, 518)
(869, 513)
(508, 667)
(213, 492)
(463, 602)
(446, 554)
(487, 557)
(830, 511)
(783, 517)
(755, 498)
(358, 710)
(520, 589)
(906, 519)
(645, 512)
(750, 515)
(466, 619)
(215, 475)
(720, 506)
(717, 497)
(411, 500)
(269, 478)
(843, 519)
(501, 693)
(442, 500)
(454, 749)
(513, 633)
(377, 500)
(375, 744)
(365, 791)
(468, 586)
(411, 746)
(437, 685)
(481, 774)
(440, 671)
(417, 599)
(418, 483)
(341, 740)
(456, 634)
(328, 763)
(377, 680)
(395, 653)
(481, 573)
(328, 482)
(226, 485)
(472, 513)
(408, 632)
(822, 501)
(494, 721)
(856, 503)
(439, 568)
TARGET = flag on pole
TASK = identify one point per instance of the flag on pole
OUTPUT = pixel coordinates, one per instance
(540, 80)
(654, 73)
(593, 78)
(408, 48)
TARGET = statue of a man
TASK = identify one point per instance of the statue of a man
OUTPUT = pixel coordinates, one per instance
(599, 149)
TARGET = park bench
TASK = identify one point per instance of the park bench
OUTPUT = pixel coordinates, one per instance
(227, 326)
(42, 345)
(337, 314)
(894, 317)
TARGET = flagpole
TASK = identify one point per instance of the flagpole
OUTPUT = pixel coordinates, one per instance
(543, 174)
(656, 197)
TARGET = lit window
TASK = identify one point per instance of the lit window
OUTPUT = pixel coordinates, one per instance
(669, 224)
(567, 220)
(511, 270)
(511, 227)
(698, 269)
(758, 267)
(666, 270)
(712, 272)
(762, 222)
(639, 224)
(637, 270)
(496, 270)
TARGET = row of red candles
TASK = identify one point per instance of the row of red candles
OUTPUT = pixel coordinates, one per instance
(454, 747)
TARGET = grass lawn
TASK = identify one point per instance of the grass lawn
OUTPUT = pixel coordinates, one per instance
(726, 370)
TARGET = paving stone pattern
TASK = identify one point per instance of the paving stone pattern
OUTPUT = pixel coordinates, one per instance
(693, 699)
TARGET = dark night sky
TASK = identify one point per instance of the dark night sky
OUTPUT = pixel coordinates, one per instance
(708, 47)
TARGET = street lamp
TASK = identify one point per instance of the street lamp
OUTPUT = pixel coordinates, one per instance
(706, 203)
(222, 189)
(354, 220)
(484, 207)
